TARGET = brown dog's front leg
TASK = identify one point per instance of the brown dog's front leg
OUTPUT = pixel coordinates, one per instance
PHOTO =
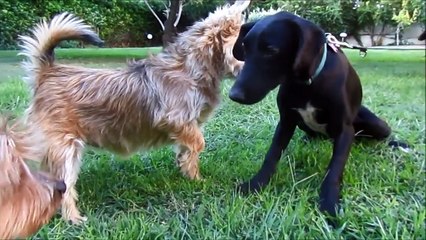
(191, 142)
(330, 188)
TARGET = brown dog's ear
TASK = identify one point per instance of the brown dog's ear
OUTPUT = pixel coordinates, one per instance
(311, 40)
(238, 49)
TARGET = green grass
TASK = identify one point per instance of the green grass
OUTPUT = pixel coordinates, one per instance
(92, 57)
(146, 197)
(85, 53)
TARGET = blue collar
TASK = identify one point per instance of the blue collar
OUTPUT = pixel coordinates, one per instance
(320, 66)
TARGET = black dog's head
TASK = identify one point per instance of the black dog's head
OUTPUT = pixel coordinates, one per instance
(276, 48)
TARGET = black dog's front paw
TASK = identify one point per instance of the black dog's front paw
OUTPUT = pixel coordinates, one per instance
(329, 204)
(331, 209)
(250, 187)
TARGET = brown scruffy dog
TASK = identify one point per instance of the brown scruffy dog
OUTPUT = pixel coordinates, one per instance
(28, 199)
(163, 99)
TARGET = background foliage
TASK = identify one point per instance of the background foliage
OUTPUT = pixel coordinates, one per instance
(126, 22)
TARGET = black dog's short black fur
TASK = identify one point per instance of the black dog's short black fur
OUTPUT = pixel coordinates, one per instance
(286, 50)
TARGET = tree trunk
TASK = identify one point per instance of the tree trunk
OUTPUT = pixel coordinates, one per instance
(373, 43)
(357, 38)
(170, 31)
(381, 37)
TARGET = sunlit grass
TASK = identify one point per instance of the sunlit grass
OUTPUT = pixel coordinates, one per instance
(146, 197)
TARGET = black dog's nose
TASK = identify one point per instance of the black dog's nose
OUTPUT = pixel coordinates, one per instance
(61, 187)
(236, 95)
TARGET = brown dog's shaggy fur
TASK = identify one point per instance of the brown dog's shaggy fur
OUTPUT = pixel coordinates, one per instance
(163, 99)
(27, 199)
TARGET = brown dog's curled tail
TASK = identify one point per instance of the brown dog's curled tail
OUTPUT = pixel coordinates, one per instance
(39, 47)
(17, 142)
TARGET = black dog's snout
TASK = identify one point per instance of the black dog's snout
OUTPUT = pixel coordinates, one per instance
(61, 187)
(236, 95)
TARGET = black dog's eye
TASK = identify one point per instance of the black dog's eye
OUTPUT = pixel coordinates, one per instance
(244, 45)
(272, 50)
(269, 50)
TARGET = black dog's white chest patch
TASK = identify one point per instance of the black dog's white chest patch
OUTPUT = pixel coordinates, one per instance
(308, 115)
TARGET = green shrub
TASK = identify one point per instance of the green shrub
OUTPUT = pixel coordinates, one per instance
(14, 18)
(259, 13)
(118, 22)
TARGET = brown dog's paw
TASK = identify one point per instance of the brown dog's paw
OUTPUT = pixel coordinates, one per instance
(77, 220)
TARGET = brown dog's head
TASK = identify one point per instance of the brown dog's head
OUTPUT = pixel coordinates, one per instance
(28, 199)
(210, 41)
(275, 48)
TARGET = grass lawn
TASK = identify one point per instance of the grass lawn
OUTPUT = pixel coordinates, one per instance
(89, 53)
(146, 197)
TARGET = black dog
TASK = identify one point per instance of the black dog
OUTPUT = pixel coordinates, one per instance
(319, 92)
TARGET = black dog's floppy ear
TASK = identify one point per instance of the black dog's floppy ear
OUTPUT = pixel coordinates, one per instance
(238, 49)
(311, 40)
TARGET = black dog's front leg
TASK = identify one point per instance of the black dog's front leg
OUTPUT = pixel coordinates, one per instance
(283, 133)
(330, 188)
